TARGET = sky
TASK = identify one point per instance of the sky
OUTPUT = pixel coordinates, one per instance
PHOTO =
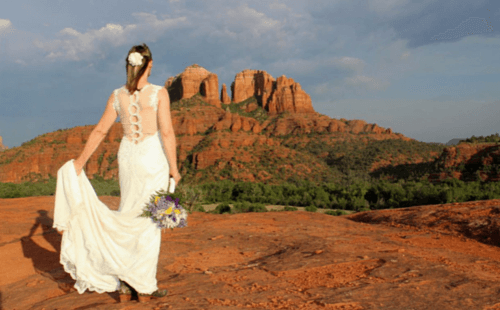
(428, 69)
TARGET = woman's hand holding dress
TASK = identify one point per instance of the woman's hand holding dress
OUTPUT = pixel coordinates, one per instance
(78, 167)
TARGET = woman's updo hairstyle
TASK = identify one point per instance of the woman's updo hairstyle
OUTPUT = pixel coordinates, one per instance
(134, 73)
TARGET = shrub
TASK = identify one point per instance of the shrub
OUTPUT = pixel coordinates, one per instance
(257, 207)
(335, 213)
(198, 208)
(245, 206)
(223, 208)
(288, 208)
(311, 209)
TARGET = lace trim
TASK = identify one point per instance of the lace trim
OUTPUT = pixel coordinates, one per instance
(153, 100)
(116, 103)
(81, 284)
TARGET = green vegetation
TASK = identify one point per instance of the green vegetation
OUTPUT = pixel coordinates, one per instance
(359, 196)
(259, 114)
(353, 158)
(100, 158)
(188, 103)
(47, 187)
(488, 139)
(105, 187)
(56, 142)
(252, 197)
(112, 158)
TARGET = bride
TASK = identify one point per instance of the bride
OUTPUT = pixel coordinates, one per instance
(106, 250)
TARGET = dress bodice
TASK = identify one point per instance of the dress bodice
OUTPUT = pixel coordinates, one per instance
(137, 111)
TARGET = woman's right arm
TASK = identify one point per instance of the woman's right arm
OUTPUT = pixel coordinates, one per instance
(167, 132)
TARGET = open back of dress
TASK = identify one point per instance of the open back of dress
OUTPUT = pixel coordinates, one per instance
(138, 112)
(100, 246)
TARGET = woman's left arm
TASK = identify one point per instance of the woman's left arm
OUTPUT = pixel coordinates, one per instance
(99, 132)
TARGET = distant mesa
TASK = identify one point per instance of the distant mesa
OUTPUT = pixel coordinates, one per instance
(2, 147)
(454, 141)
(275, 96)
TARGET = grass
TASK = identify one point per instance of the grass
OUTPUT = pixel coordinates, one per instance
(246, 207)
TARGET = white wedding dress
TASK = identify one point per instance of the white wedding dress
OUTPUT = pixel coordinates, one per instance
(100, 246)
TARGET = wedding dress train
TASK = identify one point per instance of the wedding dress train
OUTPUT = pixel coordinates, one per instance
(101, 246)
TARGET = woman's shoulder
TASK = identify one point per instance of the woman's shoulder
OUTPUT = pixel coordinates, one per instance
(156, 87)
(116, 90)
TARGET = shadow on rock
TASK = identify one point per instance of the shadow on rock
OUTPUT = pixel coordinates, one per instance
(46, 262)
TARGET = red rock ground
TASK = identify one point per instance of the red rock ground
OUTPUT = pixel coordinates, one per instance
(426, 257)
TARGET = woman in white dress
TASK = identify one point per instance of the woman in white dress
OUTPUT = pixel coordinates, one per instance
(101, 248)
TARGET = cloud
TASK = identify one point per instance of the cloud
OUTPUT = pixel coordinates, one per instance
(472, 25)
(349, 63)
(337, 89)
(84, 46)
(278, 6)
(319, 64)
(386, 7)
(5, 26)
(153, 23)
(246, 19)
(366, 82)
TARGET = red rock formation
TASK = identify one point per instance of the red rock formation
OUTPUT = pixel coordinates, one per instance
(336, 126)
(274, 96)
(2, 147)
(415, 256)
(191, 79)
(235, 122)
(250, 83)
(198, 120)
(187, 84)
(251, 107)
(356, 126)
(224, 96)
(289, 96)
(373, 128)
(477, 155)
(169, 81)
(209, 89)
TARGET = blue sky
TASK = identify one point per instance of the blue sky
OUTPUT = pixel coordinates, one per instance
(428, 69)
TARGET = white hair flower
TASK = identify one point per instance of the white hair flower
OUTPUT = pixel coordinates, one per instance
(135, 59)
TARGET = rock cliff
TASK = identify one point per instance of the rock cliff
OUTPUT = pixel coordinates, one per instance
(275, 96)
(469, 162)
(224, 97)
(194, 79)
(2, 147)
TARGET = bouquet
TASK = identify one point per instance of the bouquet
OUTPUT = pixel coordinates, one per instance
(165, 212)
